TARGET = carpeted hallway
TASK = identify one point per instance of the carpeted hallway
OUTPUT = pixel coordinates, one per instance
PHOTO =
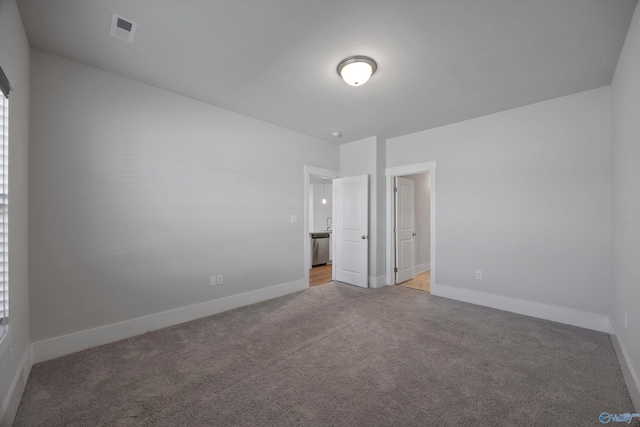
(337, 355)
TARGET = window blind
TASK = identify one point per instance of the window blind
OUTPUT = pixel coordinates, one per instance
(4, 207)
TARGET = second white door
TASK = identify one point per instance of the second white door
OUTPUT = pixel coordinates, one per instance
(405, 229)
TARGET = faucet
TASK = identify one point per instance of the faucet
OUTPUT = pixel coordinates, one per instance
(328, 223)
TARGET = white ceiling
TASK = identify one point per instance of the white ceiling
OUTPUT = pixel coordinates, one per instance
(439, 61)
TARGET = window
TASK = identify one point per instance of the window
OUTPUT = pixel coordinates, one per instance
(4, 204)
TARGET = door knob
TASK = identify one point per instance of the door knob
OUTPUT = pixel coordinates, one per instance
(414, 234)
(363, 237)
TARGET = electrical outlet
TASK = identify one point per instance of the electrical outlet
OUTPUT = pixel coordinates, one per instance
(625, 320)
(294, 218)
(220, 279)
(212, 280)
(479, 274)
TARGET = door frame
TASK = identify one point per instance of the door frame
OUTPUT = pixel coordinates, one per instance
(308, 171)
(390, 174)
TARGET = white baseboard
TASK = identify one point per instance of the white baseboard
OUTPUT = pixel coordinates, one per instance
(9, 407)
(67, 344)
(421, 268)
(569, 316)
(628, 371)
(377, 282)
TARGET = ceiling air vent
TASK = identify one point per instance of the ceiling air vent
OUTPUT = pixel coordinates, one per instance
(123, 28)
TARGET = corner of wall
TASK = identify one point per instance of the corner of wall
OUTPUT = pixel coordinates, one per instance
(625, 108)
(377, 282)
(10, 405)
(629, 374)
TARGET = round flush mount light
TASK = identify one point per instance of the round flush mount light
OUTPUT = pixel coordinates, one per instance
(356, 70)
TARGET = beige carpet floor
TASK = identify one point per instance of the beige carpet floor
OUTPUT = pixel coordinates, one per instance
(337, 355)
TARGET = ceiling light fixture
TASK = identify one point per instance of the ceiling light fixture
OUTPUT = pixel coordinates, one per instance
(356, 70)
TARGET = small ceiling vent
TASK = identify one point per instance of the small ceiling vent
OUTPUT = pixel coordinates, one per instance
(123, 28)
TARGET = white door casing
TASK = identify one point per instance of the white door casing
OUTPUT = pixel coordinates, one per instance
(405, 229)
(390, 173)
(308, 171)
(351, 230)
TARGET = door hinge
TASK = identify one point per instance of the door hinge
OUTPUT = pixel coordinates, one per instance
(395, 270)
(395, 189)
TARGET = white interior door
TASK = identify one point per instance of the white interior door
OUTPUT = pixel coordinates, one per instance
(405, 229)
(351, 230)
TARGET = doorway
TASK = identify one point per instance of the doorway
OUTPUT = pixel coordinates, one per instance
(318, 222)
(411, 231)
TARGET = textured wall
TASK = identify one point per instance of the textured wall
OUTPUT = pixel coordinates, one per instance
(525, 196)
(139, 195)
(625, 91)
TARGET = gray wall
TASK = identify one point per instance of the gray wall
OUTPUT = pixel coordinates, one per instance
(138, 195)
(14, 59)
(525, 196)
(626, 193)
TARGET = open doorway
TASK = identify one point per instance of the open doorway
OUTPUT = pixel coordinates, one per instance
(412, 231)
(318, 225)
(320, 232)
(411, 256)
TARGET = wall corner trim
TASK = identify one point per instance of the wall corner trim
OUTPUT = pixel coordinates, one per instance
(628, 372)
(66, 344)
(377, 282)
(9, 407)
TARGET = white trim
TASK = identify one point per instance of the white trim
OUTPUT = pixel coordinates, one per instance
(377, 282)
(421, 268)
(390, 173)
(9, 407)
(411, 169)
(569, 316)
(627, 368)
(308, 171)
(67, 344)
(5, 340)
